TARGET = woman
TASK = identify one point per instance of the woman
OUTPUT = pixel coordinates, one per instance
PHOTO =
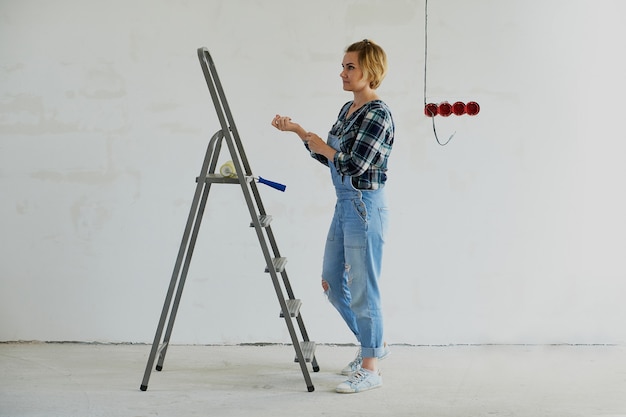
(356, 152)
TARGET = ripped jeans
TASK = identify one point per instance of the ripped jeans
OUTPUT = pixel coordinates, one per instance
(353, 260)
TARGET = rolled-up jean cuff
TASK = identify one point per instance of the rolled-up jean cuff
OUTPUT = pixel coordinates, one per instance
(372, 352)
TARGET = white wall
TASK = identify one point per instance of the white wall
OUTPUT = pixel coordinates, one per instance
(512, 233)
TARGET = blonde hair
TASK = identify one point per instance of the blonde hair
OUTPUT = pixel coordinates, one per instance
(372, 59)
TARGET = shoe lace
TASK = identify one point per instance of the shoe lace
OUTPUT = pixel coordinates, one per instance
(358, 376)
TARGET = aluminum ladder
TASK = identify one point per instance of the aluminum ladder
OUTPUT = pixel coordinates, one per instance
(260, 220)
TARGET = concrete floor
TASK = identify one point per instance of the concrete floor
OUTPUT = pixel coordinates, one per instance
(73, 379)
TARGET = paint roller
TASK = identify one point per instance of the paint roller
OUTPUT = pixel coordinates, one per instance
(228, 170)
(275, 185)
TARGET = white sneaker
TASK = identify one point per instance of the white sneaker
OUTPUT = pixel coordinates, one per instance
(361, 380)
(355, 365)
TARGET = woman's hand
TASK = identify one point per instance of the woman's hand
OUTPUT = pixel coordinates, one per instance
(284, 124)
(318, 146)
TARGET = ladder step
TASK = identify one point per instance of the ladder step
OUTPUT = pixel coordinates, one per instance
(293, 306)
(219, 179)
(264, 220)
(279, 264)
(308, 351)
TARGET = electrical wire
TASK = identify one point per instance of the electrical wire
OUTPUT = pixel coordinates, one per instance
(432, 116)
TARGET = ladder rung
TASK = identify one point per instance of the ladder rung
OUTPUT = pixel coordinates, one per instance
(219, 179)
(279, 264)
(264, 220)
(308, 351)
(293, 306)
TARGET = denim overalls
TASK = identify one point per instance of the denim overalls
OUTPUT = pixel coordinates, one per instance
(353, 258)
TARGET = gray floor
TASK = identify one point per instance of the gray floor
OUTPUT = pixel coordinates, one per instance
(68, 379)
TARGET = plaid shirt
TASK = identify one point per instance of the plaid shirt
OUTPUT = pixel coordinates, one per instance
(365, 145)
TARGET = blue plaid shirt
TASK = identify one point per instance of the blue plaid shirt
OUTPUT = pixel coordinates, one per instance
(365, 145)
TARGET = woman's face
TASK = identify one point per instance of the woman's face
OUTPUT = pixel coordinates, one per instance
(352, 75)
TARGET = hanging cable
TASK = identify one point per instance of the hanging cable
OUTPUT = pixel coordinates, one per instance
(432, 115)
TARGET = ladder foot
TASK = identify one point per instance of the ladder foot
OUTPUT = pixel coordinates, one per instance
(159, 368)
(316, 369)
(143, 387)
(311, 388)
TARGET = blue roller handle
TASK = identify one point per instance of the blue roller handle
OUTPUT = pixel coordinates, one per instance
(272, 184)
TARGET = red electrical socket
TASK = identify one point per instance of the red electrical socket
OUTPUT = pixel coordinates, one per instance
(430, 110)
(458, 108)
(444, 109)
(472, 108)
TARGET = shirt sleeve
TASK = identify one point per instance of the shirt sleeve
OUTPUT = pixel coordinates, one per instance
(318, 157)
(368, 147)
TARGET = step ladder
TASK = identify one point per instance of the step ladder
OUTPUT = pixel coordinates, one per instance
(260, 220)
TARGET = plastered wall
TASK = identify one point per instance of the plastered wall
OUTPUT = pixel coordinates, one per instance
(512, 233)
